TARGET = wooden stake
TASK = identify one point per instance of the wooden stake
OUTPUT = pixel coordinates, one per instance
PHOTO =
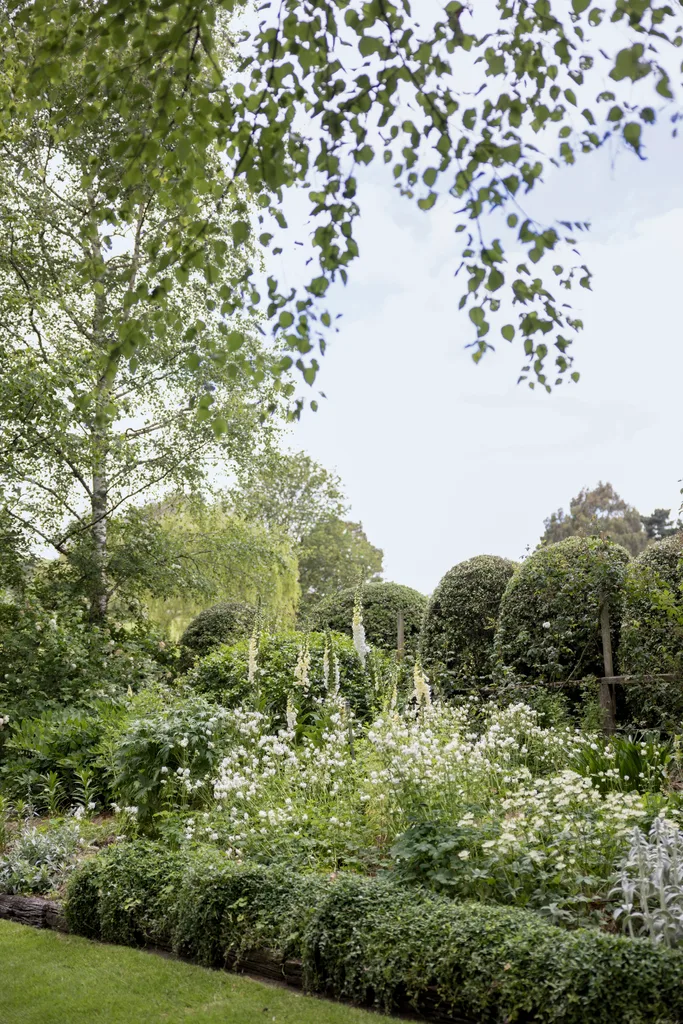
(401, 635)
(607, 696)
(347, 707)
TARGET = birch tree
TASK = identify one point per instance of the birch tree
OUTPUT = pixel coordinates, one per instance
(91, 424)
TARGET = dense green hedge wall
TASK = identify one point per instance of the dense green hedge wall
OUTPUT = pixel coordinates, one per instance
(460, 620)
(224, 673)
(225, 623)
(652, 636)
(381, 605)
(374, 942)
(652, 629)
(549, 620)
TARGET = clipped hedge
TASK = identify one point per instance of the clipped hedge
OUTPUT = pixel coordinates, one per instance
(381, 605)
(224, 623)
(374, 942)
(549, 619)
(652, 635)
(224, 673)
(460, 620)
(652, 629)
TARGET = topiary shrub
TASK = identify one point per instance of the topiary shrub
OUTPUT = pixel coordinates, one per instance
(381, 605)
(652, 635)
(549, 619)
(289, 664)
(225, 623)
(460, 620)
(652, 629)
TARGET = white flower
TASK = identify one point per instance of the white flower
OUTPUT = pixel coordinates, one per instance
(326, 666)
(546, 625)
(423, 693)
(464, 855)
(358, 630)
(253, 651)
(291, 714)
(184, 741)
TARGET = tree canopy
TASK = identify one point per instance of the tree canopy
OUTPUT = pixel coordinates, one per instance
(473, 108)
(289, 492)
(598, 512)
(88, 427)
(660, 525)
(334, 555)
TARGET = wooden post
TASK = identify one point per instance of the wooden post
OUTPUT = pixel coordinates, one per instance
(607, 701)
(401, 634)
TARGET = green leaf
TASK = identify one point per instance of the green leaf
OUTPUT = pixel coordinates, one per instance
(508, 332)
(240, 231)
(428, 203)
(632, 133)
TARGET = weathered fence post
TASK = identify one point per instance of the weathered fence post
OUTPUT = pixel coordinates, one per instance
(607, 701)
(401, 634)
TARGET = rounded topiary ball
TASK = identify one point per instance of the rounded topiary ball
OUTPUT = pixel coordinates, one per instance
(652, 628)
(222, 624)
(460, 620)
(290, 664)
(549, 619)
(382, 603)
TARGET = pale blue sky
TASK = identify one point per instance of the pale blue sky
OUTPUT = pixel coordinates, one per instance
(442, 459)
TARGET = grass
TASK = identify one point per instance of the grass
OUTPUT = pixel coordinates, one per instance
(50, 978)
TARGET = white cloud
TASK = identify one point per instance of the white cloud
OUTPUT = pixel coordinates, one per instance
(443, 459)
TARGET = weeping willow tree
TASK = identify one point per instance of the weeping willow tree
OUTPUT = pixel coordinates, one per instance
(211, 555)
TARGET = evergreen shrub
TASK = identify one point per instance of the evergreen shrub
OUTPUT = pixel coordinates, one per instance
(224, 623)
(51, 658)
(549, 620)
(224, 673)
(652, 636)
(381, 605)
(652, 630)
(375, 942)
(460, 620)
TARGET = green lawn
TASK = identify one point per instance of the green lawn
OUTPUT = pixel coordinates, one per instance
(50, 978)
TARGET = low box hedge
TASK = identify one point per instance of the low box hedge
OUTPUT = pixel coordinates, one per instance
(376, 943)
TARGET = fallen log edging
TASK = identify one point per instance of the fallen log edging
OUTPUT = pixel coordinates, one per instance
(38, 912)
(35, 911)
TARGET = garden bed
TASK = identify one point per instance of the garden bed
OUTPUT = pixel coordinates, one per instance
(372, 942)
